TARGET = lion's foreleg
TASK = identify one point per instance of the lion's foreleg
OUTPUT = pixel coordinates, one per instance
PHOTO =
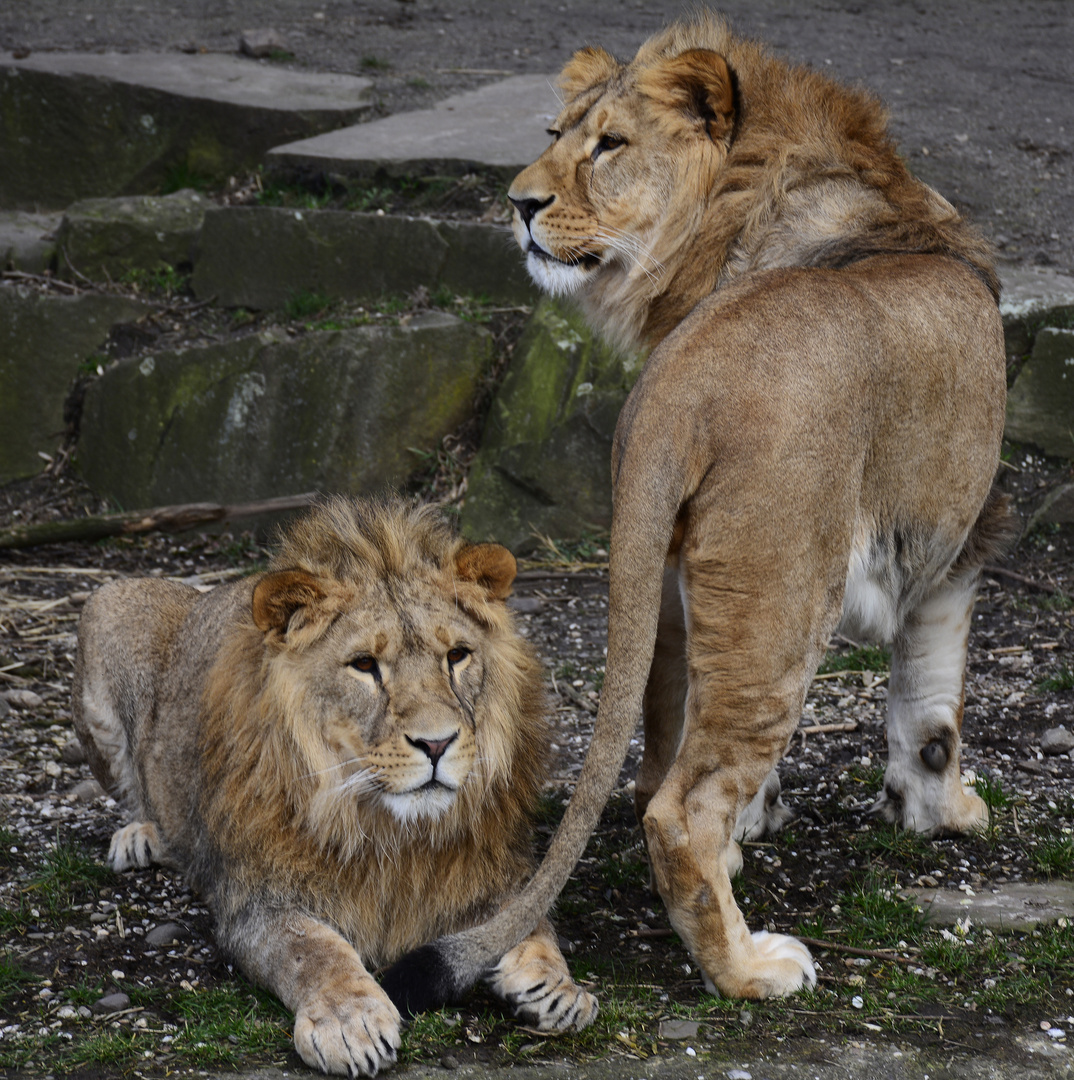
(533, 978)
(923, 785)
(344, 1022)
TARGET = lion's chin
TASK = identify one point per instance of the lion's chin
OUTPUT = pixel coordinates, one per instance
(556, 277)
(425, 804)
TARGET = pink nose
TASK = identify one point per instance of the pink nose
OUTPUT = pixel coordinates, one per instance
(433, 748)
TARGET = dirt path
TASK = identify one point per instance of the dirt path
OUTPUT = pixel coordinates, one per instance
(981, 97)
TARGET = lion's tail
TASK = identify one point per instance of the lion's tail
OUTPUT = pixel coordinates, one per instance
(435, 974)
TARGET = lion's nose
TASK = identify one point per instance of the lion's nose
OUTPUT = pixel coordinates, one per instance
(433, 748)
(527, 208)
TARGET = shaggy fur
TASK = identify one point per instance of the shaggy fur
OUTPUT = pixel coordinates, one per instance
(343, 755)
(810, 446)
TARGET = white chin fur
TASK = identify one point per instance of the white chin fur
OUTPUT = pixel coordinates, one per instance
(419, 805)
(555, 278)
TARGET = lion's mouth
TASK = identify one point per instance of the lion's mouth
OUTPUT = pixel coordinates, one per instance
(586, 259)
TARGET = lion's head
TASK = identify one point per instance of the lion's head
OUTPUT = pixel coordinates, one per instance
(378, 692)
(705, 157)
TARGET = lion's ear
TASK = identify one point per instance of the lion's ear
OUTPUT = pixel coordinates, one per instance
(489, 565)
(278, 595)
(698, 84)
(586, 68)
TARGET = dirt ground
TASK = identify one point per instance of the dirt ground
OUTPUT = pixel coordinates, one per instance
(981, 95)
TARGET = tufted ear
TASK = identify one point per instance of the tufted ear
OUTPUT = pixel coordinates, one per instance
(587, 67)
(280, 594)
(489, 565)
(697, 84)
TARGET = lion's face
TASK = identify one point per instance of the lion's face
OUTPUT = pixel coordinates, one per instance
(386, 684)
(633, 147)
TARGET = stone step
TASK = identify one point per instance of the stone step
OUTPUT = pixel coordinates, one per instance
(130, 119)
(347, 410)
(27, 240)
(498, 129)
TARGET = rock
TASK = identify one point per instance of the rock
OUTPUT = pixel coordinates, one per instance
(5, 709)
(165, 934)
(1057, 740)
(1015, 906)
(678, 1029)
(1040, 404)
(24, 699)
(86, 791)
(43, 342)
(134, 121)
(260, 257)
(72, 753)
(262, 43)
(339, 410)
(111, 1003)
(107, 238)
(544, 463)
(27, 241)
(1056, 509)
(499, 128)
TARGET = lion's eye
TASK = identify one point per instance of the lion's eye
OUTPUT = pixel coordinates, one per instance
(554, 133)
(608, 142)
(367, 665)
(457, 655)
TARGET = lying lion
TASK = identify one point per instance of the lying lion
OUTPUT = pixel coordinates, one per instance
(342, 754)
(810, 447)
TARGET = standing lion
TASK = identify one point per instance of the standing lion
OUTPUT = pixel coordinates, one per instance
(343, 755)
(810, 447)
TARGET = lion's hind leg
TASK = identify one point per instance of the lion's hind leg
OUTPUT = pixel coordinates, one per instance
(533, 978)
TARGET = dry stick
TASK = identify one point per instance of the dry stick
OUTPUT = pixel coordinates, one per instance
(1029, 583)
(825, 729)
(872, 954)
(163, 518)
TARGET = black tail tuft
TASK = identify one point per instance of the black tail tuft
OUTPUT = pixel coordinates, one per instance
(421, 980)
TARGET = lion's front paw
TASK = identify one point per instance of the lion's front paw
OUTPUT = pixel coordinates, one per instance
(355, 1033)
(135, 845)
(535, 981)
(779, 965)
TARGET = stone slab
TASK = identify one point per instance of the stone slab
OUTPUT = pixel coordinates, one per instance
(27, 241)
(1032, 292)
(271, 414)
(1040, 404)
(500, 128)
(130, 119)
(107, 238)
(43, 342)
(259, 257)
(1016, 906)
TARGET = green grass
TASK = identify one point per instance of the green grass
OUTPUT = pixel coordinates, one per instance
(865, 658)
(66, 875)
(1054, 855)
(306, 305)
(375, 63)
(165, 281)
(1061, 679)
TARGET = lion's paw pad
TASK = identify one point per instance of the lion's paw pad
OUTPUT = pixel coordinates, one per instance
(795, 965)
(358, 1038)
(135, 845)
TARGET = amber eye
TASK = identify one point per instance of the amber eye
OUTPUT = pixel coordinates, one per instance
(367, 665)
(457, 655)
(606, 143)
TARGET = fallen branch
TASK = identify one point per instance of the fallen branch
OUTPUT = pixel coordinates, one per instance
(179, 518)
(850, 950)
(825, 729)
(1029, 583)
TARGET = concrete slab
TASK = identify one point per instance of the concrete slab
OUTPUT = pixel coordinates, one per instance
(1033, 291)
(131, 119)
(27, 241)
(501, 128)
(1017, 906)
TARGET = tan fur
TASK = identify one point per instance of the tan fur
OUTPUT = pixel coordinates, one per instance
(811, 445)
(275, 739)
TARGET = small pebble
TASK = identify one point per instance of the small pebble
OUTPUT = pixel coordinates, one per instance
(165, 934)
(111, 1003)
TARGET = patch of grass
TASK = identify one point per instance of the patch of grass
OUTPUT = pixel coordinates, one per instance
(1061, 679)
(306, 305)
(66, 875)
(1054, 855)
(165, 281)
(419, 84)
(371, 198)
(181, 176)
(873, 911)
(375, 63)
(886, 840)
(13, 979)
(865, 658)
(591, 550)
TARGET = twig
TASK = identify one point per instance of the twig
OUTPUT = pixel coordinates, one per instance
(825, 729)
(40, 279)
(1029, 583)
(850, 950)
(566, 690)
